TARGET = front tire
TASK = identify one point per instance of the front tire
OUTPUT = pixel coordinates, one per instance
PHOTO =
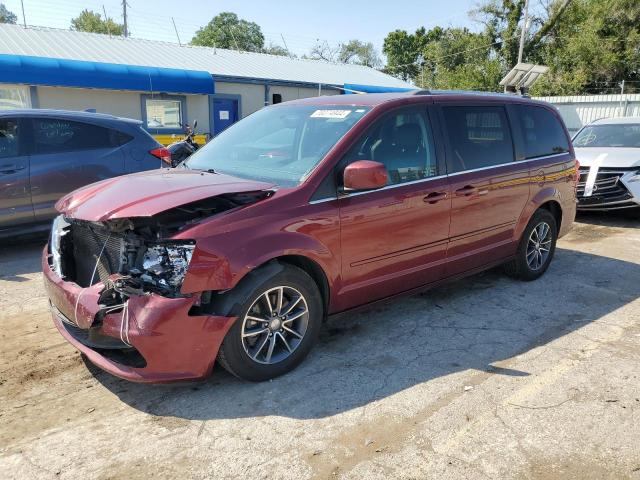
(278, 323)
(536, 248)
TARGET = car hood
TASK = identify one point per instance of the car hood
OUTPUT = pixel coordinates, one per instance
(612, 157)
(148, 193)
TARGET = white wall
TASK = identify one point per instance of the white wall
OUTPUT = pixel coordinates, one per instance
(198, 109)
(294, 93)
(116, 102)
(253, 95)
(122, 104)
(580, 110)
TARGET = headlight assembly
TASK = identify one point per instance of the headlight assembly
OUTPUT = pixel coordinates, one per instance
(165, 264)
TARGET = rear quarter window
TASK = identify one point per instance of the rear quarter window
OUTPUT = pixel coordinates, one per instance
(55, 135)
(542, 132)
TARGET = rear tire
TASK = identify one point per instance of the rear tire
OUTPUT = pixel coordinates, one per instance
(278, 322)
(536, 248)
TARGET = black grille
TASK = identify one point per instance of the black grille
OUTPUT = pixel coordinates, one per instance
(608, 189)
(94, 248)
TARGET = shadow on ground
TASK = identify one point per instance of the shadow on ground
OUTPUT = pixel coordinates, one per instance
(363, 357)
(20, 256)
(615, 218)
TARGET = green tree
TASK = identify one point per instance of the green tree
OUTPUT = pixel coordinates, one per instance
(359, 53)
(591, 49)
(7, 16)
(455, 58)
(226, 30)
(89, 21)
(403, 51)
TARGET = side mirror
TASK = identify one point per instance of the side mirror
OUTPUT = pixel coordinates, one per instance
(195, 125)
(364, 175)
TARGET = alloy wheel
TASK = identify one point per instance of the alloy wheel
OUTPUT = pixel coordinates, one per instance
(539, 246)
(275, 325)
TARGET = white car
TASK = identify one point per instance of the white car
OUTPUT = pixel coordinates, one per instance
(609, 154)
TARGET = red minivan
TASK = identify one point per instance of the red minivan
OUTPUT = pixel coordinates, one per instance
(300, 211)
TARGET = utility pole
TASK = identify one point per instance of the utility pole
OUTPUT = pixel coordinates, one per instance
(524, 30)
(24, 18)
(176, 29)
(124, 16)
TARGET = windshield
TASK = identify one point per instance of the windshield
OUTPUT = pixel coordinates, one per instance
(620, 135)
(280, 144)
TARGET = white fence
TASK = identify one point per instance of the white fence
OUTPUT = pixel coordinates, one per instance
(580, 110)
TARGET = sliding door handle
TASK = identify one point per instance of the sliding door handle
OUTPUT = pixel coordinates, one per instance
(466, 191)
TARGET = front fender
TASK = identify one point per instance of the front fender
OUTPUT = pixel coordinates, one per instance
(216, 268)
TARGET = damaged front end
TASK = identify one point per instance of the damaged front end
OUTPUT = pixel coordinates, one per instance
(115, 290)
(134, 256)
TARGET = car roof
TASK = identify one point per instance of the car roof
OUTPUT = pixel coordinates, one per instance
(71, 114)
(374, 99)
(615, 121)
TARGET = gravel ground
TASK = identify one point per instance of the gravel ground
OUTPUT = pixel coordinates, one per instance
(484, 378)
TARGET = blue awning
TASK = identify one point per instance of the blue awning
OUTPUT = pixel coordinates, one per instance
(75, 73)
(355, 88)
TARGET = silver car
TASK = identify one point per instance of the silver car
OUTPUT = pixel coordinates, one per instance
(609, 154)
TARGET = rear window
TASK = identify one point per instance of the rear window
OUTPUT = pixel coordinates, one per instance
(53, 135)
(542, 132)
(620, 135)
(479, 135)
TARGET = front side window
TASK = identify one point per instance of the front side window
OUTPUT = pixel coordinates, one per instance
(163, 114)
(479, 137)
(279, 144)
(402, 141)
(54, 135)
(8, 137)
(612, 135)
(542, 132)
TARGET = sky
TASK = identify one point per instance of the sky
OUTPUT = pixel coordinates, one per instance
(300, 23)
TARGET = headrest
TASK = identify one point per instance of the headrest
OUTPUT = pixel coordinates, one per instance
(408, 135)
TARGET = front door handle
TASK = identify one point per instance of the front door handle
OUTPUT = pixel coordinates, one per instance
(435, 197)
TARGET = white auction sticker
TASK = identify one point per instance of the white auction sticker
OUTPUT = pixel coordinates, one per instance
(331, 114)
(593, 173)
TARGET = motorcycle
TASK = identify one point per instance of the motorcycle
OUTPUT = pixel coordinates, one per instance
(183, 149)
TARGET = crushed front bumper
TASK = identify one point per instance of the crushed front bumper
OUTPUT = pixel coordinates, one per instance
(162, 343)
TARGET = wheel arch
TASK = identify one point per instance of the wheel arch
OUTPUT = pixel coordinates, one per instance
(222, 303)
(555, 209)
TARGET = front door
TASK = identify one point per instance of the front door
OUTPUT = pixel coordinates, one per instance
(225, 113)
(395, 238)
(15, 195)
(489, 189)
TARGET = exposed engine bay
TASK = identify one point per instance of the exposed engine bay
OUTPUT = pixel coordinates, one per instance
(134, 256)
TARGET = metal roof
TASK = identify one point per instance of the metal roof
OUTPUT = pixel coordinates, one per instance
(67, 44)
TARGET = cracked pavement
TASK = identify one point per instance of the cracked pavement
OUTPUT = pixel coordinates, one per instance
(484, 378)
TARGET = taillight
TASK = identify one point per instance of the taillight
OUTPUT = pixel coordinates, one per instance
(163, 154)
(577, 178)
